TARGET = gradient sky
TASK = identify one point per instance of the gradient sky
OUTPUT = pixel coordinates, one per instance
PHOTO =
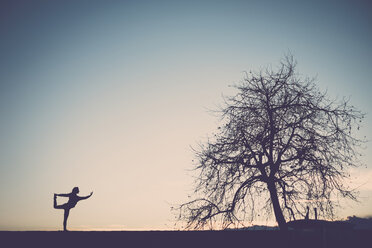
(110, 95)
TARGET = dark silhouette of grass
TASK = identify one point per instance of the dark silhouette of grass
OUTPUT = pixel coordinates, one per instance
(190, 239)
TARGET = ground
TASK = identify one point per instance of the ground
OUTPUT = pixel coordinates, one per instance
(191, 239)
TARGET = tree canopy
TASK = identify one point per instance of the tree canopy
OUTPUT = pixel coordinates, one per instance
(282, 145)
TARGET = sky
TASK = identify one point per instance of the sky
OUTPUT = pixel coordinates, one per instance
(110, 95)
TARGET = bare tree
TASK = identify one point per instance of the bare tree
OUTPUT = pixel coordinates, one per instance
(282, 145)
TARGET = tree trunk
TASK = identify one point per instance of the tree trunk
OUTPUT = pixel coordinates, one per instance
(277, 209)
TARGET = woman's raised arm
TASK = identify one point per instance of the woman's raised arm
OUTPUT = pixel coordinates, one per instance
(65, 195)
(85, 197)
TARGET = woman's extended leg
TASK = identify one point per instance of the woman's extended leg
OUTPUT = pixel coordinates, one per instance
(65, 216)
(63, 206)
(55, 201)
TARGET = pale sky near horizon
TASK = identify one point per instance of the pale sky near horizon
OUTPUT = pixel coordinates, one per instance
(110, 95)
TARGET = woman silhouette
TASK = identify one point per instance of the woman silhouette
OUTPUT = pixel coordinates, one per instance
(73, 199)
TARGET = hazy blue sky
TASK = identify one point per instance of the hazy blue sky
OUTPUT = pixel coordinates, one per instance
(109, 96)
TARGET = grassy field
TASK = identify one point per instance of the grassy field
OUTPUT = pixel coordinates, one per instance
(189, 239)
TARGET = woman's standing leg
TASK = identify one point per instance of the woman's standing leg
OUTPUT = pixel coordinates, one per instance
(67, 212)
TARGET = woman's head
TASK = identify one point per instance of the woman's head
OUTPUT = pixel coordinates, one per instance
(75, 190)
